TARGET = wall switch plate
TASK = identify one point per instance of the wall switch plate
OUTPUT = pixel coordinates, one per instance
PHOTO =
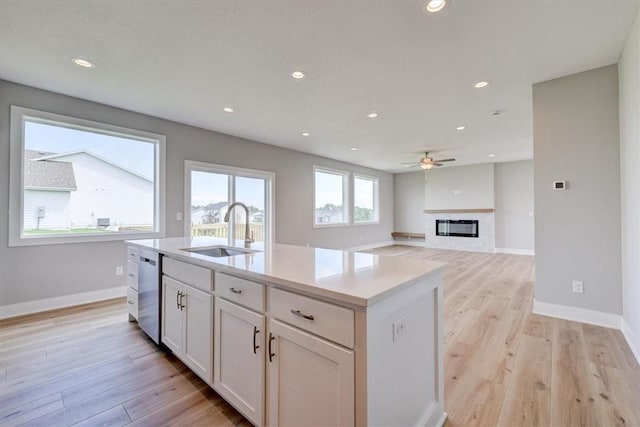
(178, 216)
(578, 286)
(399, 328)
(119, 270)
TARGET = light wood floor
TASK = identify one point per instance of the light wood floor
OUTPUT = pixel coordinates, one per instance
(90, 366)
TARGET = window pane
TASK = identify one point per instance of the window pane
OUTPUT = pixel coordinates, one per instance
(329, 198)
(364, 199)
(209, 203)
(251, 192)
(79, 181)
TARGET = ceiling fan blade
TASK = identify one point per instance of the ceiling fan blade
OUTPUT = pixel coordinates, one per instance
(436, 164)
(445, 160)
(408, 163)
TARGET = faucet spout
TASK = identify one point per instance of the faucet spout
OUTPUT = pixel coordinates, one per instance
(248, 240)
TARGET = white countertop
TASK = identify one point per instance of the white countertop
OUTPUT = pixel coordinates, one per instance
(352, 277)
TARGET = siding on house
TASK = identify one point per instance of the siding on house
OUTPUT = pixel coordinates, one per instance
(107, 191)
(57, 209)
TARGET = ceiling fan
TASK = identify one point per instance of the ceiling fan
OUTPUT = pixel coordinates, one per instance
(428, 162)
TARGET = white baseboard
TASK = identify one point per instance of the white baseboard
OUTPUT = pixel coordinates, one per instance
(632, 339)
(419, 243)
(30, 307)
(576, 314)
(371, 246)
(515, 251)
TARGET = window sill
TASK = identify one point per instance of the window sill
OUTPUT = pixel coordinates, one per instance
(15, 241)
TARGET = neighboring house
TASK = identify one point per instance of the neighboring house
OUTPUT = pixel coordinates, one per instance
(105, 194)
(47, 192)
(329, 214)
(210, 214)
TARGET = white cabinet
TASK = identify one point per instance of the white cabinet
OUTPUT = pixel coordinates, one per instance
(310, 380)
(187, 325)
(240, 358)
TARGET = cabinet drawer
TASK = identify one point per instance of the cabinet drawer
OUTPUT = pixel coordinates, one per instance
(132, 302)
(132, 254)
(241, 291)
(326, 320)
(198, 277)
(132, 275)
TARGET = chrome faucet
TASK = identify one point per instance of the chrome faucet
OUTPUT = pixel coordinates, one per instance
(247, 239)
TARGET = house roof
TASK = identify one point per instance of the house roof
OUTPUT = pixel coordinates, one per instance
(53, 156)
(47, 174)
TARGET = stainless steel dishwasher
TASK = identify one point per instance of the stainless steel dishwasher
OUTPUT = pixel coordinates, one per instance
(149, 294)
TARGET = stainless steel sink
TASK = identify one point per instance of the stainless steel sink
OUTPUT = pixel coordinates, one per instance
(220, 251)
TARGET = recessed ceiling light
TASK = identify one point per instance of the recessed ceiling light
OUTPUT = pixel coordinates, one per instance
(433, 6)
(297, 75)
(305, 134)
(228, 110)
(461, 128)
(481, 84)
(372, 115)
(492, 155)
(82, 63)
(354, 148)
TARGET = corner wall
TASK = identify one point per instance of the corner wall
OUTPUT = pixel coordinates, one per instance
(575, 133)
(513, 182)
(408, 191)
(629, 75)
(33, 273)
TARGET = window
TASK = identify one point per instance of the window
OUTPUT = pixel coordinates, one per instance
(75, 180)
(210, 190)
(365, 200)
(330, 197)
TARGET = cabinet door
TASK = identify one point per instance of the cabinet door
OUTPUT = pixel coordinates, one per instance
(239, 358)
(171, 334)
(198, 332)
(311, 381)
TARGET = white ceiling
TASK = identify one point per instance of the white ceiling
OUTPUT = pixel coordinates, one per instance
(185, 60)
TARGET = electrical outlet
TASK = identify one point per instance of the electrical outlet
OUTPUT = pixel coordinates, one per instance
(119, 270)
(178, 216)
(578, 286)
(399, 328)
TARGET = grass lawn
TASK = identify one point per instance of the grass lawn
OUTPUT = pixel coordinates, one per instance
(72, 231)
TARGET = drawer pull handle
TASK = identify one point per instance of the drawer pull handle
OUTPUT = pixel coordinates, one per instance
(130, 302)
(131, 275)
(182, 306)
(301, 314)
(178, 300)
(236, 291)
(271, 338)
(255, 346)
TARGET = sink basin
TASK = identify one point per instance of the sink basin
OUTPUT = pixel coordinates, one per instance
(220, 251)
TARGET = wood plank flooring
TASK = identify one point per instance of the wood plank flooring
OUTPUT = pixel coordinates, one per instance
(504, 366)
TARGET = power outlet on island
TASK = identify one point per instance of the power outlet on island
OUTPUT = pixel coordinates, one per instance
(119, 270)
(399, 328)
(577, 286)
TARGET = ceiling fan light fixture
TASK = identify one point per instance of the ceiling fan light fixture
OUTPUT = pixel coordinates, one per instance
(434, 6)
(426, 166)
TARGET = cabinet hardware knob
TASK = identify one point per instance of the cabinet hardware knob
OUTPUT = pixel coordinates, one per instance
(255, 347)
(301, 314)
(236, 291)
(271, 338)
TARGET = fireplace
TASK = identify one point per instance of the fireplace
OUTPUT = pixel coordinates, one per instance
(457, 227)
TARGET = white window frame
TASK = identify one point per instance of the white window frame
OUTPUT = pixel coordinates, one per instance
(345, 197)
(376, 198)
(16, 177)
(270, 177)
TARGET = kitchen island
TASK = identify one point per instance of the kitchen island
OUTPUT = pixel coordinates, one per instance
(295, 335)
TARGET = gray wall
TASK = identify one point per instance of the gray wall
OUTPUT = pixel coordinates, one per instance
(575, 133)
(513, 184)
(629, 72)
(460, 187)
(38, 272)
(409, 202)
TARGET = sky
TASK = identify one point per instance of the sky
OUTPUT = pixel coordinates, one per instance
(207, 187)
(132, 154)
(328, 187)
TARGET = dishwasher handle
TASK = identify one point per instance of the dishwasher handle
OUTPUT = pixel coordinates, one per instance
(148, 260)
